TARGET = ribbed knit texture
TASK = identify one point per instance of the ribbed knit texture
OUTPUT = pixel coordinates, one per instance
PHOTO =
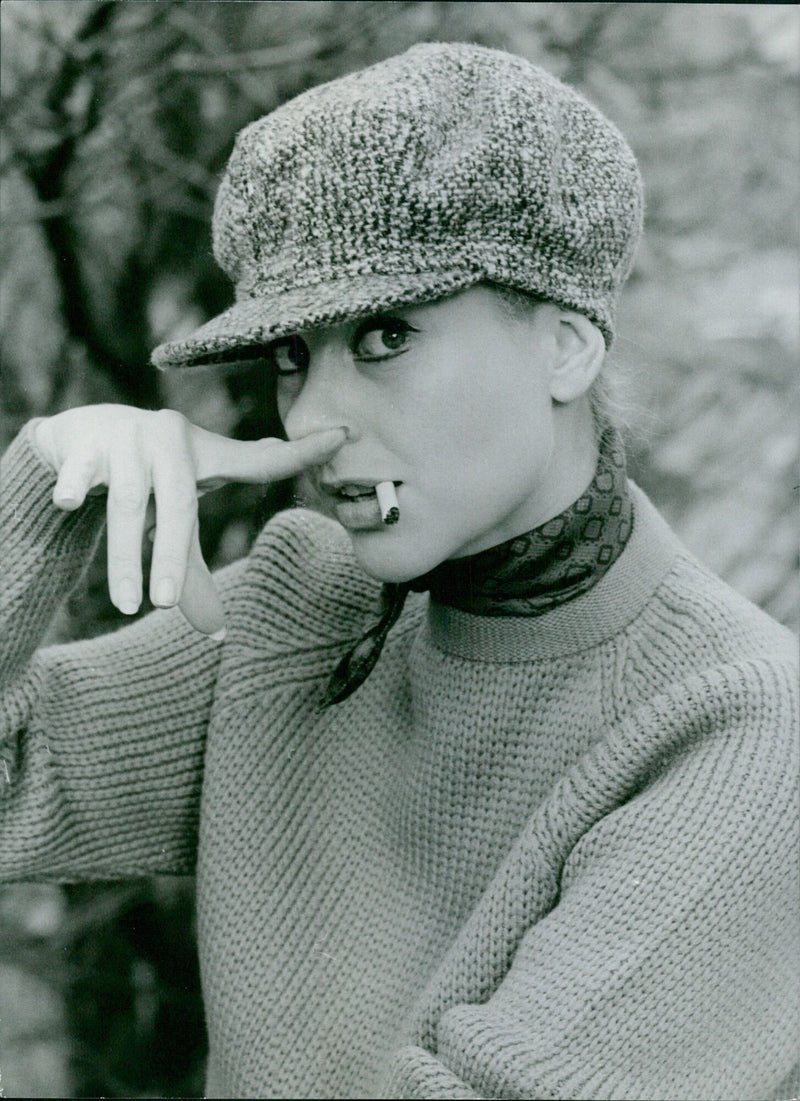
(530, 858)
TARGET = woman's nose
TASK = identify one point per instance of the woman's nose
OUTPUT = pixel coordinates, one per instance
(322, 402)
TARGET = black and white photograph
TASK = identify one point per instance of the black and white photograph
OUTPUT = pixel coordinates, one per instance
(399, 530)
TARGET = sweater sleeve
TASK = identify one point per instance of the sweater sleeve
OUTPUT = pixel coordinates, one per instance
(667, 965)
(102, 740)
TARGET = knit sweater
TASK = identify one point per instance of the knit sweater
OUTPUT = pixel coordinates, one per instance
(549, 857)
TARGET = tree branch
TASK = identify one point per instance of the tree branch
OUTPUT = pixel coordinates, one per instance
(47, 174)
(270, 57)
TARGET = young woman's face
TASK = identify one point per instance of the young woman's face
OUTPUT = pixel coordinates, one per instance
(452, 402)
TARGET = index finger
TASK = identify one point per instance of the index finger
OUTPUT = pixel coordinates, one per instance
(268, 460)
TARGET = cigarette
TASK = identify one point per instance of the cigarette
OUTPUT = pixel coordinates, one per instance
(387, 499)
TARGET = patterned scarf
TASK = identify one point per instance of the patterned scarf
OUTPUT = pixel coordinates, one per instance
(526, 576)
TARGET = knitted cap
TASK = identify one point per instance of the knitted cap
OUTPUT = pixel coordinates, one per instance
(442, 167)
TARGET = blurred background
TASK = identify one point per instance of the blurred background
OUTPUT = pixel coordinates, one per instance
(117, 119)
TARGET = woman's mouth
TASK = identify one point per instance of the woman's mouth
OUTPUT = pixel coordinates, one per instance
(357, 506)
(354, 492)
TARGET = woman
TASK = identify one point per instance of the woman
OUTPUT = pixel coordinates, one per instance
(494, 800)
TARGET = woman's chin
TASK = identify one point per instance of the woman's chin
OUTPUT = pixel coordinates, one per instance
(387, 557)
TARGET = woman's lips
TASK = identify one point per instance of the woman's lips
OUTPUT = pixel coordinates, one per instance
(351, 491)
(358, 513)
(356, 505)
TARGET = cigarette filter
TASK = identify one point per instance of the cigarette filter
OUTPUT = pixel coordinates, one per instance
(387, 500)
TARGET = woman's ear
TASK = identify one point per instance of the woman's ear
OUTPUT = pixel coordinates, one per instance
(580, 350)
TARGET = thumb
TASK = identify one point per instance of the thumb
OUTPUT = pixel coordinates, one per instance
(200, 602)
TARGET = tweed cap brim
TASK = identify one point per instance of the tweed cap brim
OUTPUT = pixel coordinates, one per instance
(239, 332)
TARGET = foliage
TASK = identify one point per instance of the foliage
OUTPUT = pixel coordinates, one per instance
(117, 120)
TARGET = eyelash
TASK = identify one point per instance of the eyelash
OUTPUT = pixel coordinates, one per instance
(378, 324)
(297, 341)
(373, 324)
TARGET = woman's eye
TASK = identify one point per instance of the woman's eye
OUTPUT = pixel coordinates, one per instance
(290, 355)
(381, 338)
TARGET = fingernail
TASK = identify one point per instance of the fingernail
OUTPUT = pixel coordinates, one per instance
(219, 635)
(66, 500)
(128, 597)
(165, 594)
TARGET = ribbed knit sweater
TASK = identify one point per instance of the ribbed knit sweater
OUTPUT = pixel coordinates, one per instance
(553, 857)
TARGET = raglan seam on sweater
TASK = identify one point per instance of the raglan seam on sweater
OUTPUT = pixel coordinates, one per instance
(678, 560)
(642, 642)
(254, 702)
(682, 559)
(328, 653)
(224, 712)
(689, 561)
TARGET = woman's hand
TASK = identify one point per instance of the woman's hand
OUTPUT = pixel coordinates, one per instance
(136, 453)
